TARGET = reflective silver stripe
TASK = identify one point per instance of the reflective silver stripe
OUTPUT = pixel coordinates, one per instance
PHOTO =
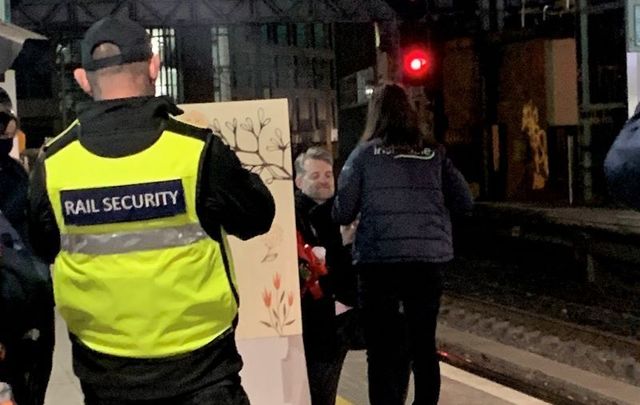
(126, 242)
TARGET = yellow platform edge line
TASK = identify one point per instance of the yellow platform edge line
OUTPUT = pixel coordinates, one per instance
(342, 401)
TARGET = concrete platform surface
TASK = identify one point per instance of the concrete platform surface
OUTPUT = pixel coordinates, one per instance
(623, 221)
(458, 387)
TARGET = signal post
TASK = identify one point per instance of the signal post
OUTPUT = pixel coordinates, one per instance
(405, 55)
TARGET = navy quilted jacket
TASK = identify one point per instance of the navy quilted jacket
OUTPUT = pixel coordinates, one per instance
(404, 201)
(622, 165)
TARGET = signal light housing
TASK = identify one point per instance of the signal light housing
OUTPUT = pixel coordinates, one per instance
(416, 65)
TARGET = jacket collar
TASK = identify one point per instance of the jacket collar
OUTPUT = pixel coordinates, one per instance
(118, 128)
(114, 115)
(307, 204)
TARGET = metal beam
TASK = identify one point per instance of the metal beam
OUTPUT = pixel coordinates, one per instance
(47, 15)
(5, 9)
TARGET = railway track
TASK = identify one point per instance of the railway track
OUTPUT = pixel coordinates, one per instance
(577, 345)
(559, 328)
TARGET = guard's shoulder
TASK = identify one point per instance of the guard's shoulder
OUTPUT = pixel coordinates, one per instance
(65, 138)
(183, 128)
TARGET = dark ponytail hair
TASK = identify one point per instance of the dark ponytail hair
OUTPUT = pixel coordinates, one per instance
(393, 119)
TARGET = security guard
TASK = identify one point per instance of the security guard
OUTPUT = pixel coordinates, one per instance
(134, 206)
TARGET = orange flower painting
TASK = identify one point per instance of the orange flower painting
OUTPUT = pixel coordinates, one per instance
(279, 310)
(277, 279)
(266, 298)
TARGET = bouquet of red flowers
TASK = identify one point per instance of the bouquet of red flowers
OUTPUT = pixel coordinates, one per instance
(311, 268)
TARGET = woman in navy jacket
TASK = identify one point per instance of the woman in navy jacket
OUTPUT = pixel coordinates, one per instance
(404, 189)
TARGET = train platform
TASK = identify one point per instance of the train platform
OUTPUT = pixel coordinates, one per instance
(458, 387)
(622, 221)
(591, 234)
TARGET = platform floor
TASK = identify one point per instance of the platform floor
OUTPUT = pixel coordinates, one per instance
(458, 387)
(623, 221)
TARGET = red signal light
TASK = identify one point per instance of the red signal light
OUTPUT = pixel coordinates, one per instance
(416, 63)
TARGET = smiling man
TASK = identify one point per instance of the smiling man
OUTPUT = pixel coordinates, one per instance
(325, 323)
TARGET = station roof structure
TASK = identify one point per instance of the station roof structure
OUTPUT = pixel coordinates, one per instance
(12, 40)
(56, 15)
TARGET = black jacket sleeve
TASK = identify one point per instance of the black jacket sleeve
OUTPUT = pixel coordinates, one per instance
(43, 229)
(231, 196)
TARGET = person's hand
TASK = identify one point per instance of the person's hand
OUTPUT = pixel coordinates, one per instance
(348, 232)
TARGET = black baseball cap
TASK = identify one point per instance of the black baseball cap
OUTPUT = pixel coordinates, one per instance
(132, 39)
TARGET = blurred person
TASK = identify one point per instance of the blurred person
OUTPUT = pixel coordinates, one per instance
(26, 314)
(622, 163)
(404, 189)
(21, 139)
(7, 106)
(134, 207)
(14, 180)
(327, 318)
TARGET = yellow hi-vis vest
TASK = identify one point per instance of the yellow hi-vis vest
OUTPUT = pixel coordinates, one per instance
(136, 275)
